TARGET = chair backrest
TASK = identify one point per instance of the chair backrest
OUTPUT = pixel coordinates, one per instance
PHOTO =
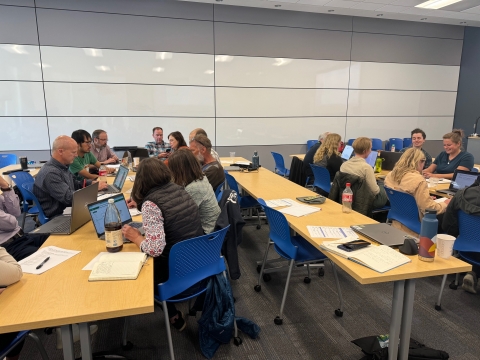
(350, 142)
(232, 183)
(20, 336)
(310, 143)
(28, 187)
(191, 261)
(279, 230)
(398, 144)
(404, 209)
(219, 188)
(20, 178)
(279, 163)
(376, 144)
(7, 159)
(322, 177)
(407, 142)
(474, 170)
(469, 228)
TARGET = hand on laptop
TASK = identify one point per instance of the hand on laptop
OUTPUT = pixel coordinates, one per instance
(132, 234)
(102, 185)
(131, 204)
(110, 170)
(112, 160)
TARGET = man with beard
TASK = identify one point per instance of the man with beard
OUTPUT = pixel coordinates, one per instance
(213, 170)
(101, 150)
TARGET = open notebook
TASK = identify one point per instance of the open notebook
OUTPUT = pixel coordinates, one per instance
(118, 266)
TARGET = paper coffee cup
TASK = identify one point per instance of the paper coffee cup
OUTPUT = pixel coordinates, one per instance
(136, 161)
(232, 154)
(445, 245)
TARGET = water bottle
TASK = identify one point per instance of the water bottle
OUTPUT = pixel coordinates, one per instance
(113, 228)
(347, 199)
(428, 232)
(255, 160)
(393, 148)
(102, 173)
(130, 162)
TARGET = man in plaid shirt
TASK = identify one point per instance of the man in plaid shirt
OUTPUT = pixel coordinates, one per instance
(158, 147)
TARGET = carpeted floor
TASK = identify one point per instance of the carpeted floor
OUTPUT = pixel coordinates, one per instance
(310, 328)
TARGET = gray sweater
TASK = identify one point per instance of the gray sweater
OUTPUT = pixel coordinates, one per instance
(202, 194)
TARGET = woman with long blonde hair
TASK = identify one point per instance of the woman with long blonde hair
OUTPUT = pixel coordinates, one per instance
(328, 155)
(407, 177)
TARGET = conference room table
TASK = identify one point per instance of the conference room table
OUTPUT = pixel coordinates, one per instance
(268, 185)
(63, 296)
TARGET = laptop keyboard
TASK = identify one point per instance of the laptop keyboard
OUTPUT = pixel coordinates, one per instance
(136, 225)
(63, 227)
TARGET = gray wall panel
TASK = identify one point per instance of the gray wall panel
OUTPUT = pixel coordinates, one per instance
(18, 2)
(270, 41)
(249, 15)
(163, 8)
(398, 27)
(18, 25)
(405, 49)
(83, 29)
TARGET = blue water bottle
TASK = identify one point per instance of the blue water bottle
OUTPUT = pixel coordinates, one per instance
(428, 231)
(255, 160)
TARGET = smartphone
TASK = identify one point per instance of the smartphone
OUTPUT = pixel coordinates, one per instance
(354, 245)
(168, 150)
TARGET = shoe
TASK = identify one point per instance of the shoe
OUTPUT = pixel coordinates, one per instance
(179, 323)
(76, 334)
(470, 282)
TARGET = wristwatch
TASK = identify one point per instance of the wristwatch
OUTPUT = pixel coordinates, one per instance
(7, 189)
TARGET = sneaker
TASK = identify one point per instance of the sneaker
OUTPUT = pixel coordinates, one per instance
(76, 334)
(179, 323)
(470, 282)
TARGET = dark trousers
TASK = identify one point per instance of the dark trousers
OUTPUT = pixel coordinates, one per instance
(25, 246)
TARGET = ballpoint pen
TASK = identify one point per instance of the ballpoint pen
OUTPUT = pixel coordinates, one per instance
(42, 263)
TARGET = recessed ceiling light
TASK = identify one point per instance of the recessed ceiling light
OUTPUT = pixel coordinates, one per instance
(423, 19)
(331, 10)
(436, 4)
(278, 5)
(380, 15)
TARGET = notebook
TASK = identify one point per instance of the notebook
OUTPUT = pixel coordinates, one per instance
(372, 158)
(347, 152)
(67, 224)
(117, 182)
(97, 213)
(118, 266)
(461, 179)
(390, 158)
(381, 233)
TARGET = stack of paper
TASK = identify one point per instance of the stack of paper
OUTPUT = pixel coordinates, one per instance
(45, 259)
(280, 202)
(330, 232)
(299, 210)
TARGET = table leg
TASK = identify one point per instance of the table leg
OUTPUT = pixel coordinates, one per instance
(85, 341)
(67, 342)
(406, 318)
(396, 318)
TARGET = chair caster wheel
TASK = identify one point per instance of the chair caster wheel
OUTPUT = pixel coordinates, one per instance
(237, 341)
(307, 280)
(339, 313)
(259, 227)
(257, 288)
(128, 346)
(192, 312)
(267, 277)
(453, 286)
(438, 307)
(321, 272)
(278, 321)
(259, 267)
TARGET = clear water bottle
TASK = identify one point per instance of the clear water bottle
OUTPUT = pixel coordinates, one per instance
(255, 160)
(428, 233)
(102, 173)
(113, 228)
(347, 199)
(393, 148)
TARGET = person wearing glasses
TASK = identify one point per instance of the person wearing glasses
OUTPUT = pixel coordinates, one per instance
(101, 150)
(85, 159)
(407, 177)
(213, 170)
(200, 131)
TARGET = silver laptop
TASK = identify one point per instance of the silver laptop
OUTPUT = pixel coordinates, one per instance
(97, 213)
(68, 224)
(117, 183)
(461, 179)
(347, 153)
(382, 233)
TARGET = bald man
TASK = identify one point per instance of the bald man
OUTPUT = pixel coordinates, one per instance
(200, 131)
(54, 184)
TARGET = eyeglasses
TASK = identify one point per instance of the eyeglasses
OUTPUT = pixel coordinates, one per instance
(87, 142)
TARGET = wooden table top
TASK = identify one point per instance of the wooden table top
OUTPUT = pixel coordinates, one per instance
(267, 185)
(63, 295)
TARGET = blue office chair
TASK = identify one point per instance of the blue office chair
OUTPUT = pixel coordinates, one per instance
(293, 248)
(403, 209)
(22, 335)
(467, 242)
(474, 170)
(322, 178)
(20, 178)
(310, 143)
(398, 144)
(28, 187)
(280, 168)
(407, 142)
(245, 202)
(377, 144)
(7, 159)
(219, 189)
(350, 142)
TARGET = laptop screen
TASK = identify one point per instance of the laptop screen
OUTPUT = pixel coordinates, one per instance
(463, 179)
(347, 152)
(97, 212)
(372, 158)
(120, 178)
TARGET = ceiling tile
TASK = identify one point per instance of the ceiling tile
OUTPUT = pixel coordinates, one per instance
(314, 2)
(341, 4)
(475, 10)
(367, 6)
(407, 2)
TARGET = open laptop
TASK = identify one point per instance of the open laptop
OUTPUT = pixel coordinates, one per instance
(117, 186)
(97, 213)
(347, 152)
(461, 179)
(382, 233)
(372, 158)
(390, 158)
(68, 224)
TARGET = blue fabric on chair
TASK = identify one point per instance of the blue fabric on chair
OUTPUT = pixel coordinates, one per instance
(322, 178)
(244, 201)
(7, 159)
(28, 187)
(398, 144)
(280, 165)
(219, 189)
(474, 170)
(350, 142)
(377, 144)
(310, 143)
(404, 209)
(407, 142)
(20, 178)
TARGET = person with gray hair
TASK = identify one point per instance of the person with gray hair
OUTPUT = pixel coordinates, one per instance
(308, 159)
(200, 131)
(201, 147)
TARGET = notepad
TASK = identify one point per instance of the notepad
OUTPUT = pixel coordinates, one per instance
(299, 210)
(118, 266)
(379, 258)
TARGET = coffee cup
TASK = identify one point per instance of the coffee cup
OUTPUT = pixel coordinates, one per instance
(445, 245)
(136, 161)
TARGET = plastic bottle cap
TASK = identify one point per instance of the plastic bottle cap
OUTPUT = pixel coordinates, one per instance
(430, 211)
(348, 184)
(111, 201)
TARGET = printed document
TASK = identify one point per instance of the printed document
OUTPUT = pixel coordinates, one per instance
(330, 232)
(55, 257)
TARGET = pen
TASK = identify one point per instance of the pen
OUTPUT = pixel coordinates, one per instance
(42, 263)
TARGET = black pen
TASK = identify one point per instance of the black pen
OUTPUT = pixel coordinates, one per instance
(43, 263)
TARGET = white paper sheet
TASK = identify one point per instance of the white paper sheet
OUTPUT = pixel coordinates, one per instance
(299, 210)
(115, 166)
(89, 266)
(131, 178)
(67, 211)
(281, 202)
(129, 191)
(55, 254)
(105, 196)
(330, 232)
(440, 200)
(134, 212)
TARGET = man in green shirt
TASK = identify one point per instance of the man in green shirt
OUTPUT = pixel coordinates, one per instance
(85, 159)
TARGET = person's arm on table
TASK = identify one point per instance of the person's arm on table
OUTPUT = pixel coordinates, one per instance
(424, 200)
(10, 270)
(9, 200)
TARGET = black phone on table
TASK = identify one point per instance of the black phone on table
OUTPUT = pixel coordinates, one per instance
(354, 245)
